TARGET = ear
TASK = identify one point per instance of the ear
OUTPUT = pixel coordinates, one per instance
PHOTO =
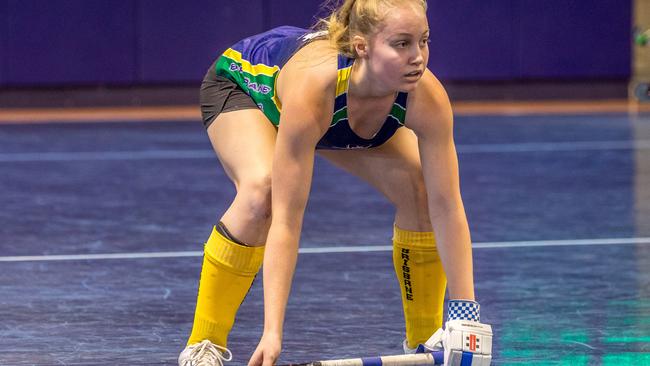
(360, 46)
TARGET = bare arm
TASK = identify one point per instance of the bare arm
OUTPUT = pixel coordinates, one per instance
(306, 114)
(430, 116)
(291, 181)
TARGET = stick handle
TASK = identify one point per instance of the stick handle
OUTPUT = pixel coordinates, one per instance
(419, 359)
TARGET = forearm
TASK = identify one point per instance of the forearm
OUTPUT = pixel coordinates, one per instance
(455, 249)
(279, 265)
(291, 181)
(282, 243)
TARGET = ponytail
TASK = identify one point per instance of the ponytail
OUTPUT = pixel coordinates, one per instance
(354, 17)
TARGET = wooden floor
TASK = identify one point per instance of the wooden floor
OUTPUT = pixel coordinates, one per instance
(191, 112)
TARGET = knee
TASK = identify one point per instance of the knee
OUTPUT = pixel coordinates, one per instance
(411, 194)
(256, 194)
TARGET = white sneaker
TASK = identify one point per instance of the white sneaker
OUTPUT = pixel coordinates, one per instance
(205, 353)
(433, 344)
(408, 350)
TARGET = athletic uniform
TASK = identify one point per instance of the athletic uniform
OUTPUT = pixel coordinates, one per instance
(245, 76)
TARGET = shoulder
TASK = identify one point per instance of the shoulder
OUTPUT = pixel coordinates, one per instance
(306, 89)
(312, 69)
(428, 108)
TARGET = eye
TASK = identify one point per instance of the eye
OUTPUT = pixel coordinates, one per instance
(401, 44)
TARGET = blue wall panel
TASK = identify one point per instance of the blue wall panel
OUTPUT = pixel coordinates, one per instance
(4, 29)
(178, 41)
(70, 42)
(571, 38)
(472, 39)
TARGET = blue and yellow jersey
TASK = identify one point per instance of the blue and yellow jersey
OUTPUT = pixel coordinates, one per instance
(255, 63)
(340, 135)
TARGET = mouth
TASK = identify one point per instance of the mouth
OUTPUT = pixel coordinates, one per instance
(414, 74)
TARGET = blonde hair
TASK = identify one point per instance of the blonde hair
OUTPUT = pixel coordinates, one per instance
(357, 17)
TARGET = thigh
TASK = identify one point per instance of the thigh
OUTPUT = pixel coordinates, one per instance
(244, 141)
(394, 169)
(384, 167)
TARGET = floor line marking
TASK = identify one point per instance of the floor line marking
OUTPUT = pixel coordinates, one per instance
(107, 155)
(554, 146)
(209, 154)
(328, 250)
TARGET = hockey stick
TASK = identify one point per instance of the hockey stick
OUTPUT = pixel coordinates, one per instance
(433, 358)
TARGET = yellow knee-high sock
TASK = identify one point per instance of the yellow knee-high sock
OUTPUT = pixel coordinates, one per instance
(227, 274)
(423, 283)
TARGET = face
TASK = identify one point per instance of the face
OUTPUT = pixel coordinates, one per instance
(398, 52)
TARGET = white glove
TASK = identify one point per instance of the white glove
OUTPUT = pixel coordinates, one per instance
(466, 342)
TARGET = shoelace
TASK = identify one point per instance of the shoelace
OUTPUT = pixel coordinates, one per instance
(207, 353)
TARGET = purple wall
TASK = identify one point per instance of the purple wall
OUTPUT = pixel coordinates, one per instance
(4, 30)
(81, 42)
(303, 13)
(472, 39)
(530, 39)
(570, 38)
(72, 41)
(177, 41)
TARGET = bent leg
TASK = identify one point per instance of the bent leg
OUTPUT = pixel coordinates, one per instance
(395, 170)
(227, 274)
(244, 141)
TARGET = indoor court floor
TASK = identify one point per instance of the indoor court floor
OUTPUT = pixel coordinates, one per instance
(102, 226)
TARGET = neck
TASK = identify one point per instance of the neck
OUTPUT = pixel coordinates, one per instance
(363, 85)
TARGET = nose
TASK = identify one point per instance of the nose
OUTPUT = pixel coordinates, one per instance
(417, 56)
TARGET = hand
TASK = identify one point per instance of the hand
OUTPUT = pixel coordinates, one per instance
(267, 351)
(460, 338)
